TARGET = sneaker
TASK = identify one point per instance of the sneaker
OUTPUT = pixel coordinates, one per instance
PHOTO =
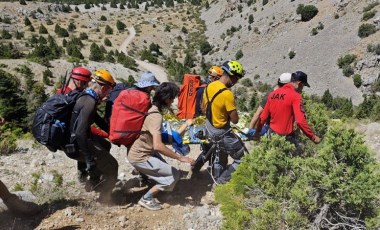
(21, 207)
(150, 204)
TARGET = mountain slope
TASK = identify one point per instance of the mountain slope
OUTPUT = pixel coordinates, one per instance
(266, 53)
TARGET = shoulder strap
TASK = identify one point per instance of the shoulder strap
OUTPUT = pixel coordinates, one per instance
(209, 103)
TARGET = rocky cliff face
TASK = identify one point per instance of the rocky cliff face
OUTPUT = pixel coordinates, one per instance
(276, 30)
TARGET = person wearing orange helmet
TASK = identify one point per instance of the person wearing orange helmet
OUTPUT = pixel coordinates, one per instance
(79, 78)
(214, 73)
(89, 148)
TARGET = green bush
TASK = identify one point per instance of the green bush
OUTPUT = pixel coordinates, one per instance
(291, 54)
(347, 70)
(247, 82)
(8, 142)
(250, 19)
(83, 36)
(205, 47)
(272, 190)
(71, 27)
(103, 18)
(346, 60)
(366, 29)
(239, 54)
(370, 6)
(357, 80)
(5, 34)
(307, 12)
(368, 15)
(147, 55)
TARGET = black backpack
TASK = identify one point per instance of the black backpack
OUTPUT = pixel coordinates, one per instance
(112, 97)
(51, 123)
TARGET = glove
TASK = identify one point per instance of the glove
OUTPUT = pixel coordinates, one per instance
(251, 132)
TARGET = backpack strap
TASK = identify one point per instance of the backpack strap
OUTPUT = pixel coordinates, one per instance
(209, 103)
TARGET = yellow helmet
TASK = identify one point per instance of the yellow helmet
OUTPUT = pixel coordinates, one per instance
(215, 71)
(103, 77)
(233, 68)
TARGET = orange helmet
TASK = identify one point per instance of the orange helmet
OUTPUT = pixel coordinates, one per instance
(103, 77)
(215, 71)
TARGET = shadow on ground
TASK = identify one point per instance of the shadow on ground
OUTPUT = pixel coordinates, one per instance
(10, 221)
(188, 191)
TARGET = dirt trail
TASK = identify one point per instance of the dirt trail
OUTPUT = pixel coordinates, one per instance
(158, 71)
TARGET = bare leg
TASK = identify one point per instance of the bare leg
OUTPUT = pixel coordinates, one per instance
(4, 192)
(15, 204)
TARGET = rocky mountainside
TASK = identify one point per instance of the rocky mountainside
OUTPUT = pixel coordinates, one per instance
(277, 29)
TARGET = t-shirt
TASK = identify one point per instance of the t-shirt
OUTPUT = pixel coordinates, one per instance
(222, 104)
(142, 149)
(284, 107)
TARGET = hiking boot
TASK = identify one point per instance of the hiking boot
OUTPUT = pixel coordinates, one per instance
(118, 195)
(150, 204)
(92, 184)
(82, 176)
(21, 207)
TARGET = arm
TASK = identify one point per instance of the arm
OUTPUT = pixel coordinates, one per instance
(234, 116)
(161, 148)
(255, 117)
(263, 118)
(82, 128)
(181, 130)
(300, 117)
(99, 121)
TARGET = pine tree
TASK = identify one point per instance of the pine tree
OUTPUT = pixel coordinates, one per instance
(108, 30)
(43, 30)
(27, 22)
(327, 99)
(120, 25)
(12, 105)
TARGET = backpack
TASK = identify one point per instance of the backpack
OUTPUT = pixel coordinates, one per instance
(51, 122)
(199, 100)
(209, 104)
(128, 114)
(187, 96)
(112, 97)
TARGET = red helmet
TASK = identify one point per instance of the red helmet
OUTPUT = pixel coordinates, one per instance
(81, 73)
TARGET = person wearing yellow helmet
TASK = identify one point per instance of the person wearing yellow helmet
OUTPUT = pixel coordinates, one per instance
(88, 148)
(214, 73)
(220, 109)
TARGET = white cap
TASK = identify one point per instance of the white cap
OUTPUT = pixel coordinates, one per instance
(285, 78)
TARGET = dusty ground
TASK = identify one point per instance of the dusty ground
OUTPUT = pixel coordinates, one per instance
(190, 206)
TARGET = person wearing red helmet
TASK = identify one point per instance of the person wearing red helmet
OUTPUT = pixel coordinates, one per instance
(79, 77)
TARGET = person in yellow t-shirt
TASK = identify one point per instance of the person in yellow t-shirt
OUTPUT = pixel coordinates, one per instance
(220, 109)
